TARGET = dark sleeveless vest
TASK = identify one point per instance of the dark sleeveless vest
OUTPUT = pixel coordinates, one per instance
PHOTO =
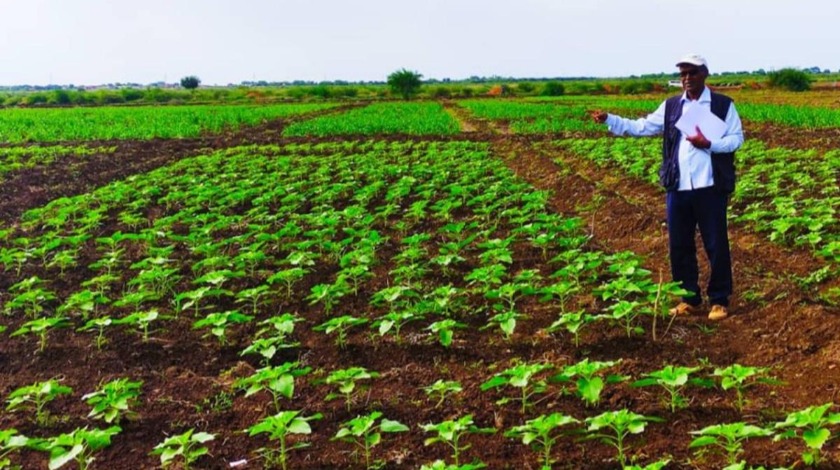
(723, 164)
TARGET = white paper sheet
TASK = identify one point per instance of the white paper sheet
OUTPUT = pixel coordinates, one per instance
(700, 116)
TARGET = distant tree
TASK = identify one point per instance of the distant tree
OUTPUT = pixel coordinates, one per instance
(553, 89)
(405, 83)
(190, 82)
(789, 79)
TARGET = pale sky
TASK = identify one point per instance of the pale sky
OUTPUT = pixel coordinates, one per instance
(88, 42)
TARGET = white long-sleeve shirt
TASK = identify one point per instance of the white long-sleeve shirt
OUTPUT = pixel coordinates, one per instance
(695, 164)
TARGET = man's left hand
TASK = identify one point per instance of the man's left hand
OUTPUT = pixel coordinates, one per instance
(700, 141)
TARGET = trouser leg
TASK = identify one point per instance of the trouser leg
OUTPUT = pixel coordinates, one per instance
(682, 225)
(711, 217)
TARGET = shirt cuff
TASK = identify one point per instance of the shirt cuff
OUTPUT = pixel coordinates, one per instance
(715, 146)
(611, 122)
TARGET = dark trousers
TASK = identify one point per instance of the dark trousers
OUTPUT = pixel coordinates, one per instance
(704, 208)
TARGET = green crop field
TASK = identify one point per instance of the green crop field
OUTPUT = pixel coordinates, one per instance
(477, 283)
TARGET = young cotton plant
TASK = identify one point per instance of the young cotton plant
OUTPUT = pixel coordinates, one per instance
(445, 330)
(523, 377)
(541, 433)
(187, 447)
(41, 327)
(673, 379)
(219, 323)
(573, 323)
(741, 378)
(36, 396)
(279, 427)
(590, 378)
(10, 442)
(340, 325)
(78, 446)
(442, 465)
(728, 438)
(366, 433)
(613, 427)
(814, 423)
(451, 432)
(114, 400)
(279, 381)
(346, 382)
(329, 294)
(626, 313)
(393, 322)
(99, 324)
(32, 297)
(142, 321)
(443, 389)
(273, 336)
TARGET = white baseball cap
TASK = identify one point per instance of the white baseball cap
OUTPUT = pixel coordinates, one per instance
(693, 59)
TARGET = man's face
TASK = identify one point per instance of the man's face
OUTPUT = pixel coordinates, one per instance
(693, 78)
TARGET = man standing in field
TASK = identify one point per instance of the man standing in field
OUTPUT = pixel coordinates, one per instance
(698, 175)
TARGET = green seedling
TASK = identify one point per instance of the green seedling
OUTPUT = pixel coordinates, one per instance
(505, 321)
(253, 296)
(814, 424)
(445, 330)
(441, 465)
(219, 322)
(41, 327)
(511, 292)
(78, 446)
(142, 321)
(273, 336)
(523, 377)
(36, 396)
(561, 291)
(590, 379)
(340, 325)
(10, 442)
(98, 324)
(443, 389)
(83, 304)
(740, 378)
(114, 400)
(393, 321)
(617, 426)
(346, 381)
(364, 432)
(279, 381)
(658, 465)
(727, 437)
(673, 379)
(447, 300)
(31, 296)
(625, 313)
(278, 428)
(451, 432)
(288, 277)
(573, 323)
(541, 433)
(328, 294)
(187, 447)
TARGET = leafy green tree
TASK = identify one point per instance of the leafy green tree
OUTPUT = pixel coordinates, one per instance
(405, 83)
(789, 79)
(190, 82)
(553, 89)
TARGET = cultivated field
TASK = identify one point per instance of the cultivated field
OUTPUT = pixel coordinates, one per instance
(443, 285)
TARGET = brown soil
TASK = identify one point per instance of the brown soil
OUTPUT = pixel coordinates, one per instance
(187, 378)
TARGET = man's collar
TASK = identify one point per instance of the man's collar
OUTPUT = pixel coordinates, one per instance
(706, 96)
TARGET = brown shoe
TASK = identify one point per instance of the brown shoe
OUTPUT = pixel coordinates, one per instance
(718, 312)
(683, 308)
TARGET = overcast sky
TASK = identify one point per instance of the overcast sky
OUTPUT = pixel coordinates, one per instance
(86, 42)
